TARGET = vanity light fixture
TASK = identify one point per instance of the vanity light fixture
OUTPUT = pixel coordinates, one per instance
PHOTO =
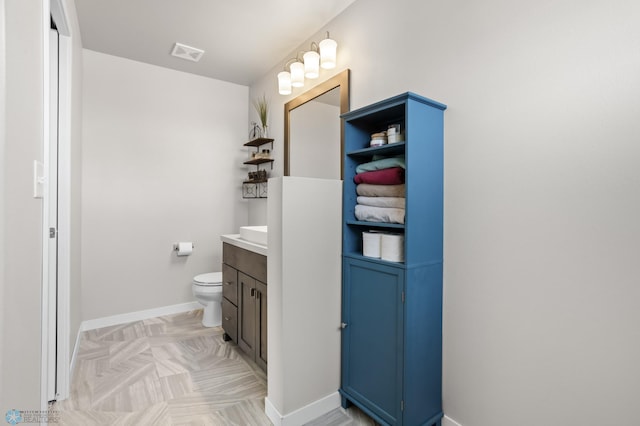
(328, 49)
(284, 82)
(321, 54)
(297, 74)
(312, 62)
(285, 78)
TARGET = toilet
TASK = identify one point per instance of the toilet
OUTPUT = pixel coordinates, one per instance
(207, 289)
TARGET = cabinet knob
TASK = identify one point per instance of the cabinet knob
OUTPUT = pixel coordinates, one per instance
(227, 283)
(227, 318)
(343, 325)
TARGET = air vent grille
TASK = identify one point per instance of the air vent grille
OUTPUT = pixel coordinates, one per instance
(189, 53)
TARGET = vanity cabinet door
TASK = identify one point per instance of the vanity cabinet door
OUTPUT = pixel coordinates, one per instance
(247, 309)
(372, 337)
(261, 326)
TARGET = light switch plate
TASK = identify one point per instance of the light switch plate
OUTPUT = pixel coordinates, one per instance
(38, 179)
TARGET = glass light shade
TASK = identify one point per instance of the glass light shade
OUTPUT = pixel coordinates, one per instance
(284, 83)
(297, 74)
(328, 49)
(311, 64)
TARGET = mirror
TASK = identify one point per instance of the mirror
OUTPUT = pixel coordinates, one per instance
(314, 132)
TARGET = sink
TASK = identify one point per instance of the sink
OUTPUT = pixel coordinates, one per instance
(254, 234)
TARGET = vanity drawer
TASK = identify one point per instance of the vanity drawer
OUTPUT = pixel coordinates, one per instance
(230, 319)
(230, 284)
(250, 263)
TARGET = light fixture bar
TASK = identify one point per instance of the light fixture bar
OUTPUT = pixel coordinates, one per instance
(321, 54)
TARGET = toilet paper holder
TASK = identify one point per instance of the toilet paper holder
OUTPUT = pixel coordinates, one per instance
(176, 247)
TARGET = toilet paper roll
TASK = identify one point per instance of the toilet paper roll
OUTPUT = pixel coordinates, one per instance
(371, 244)
(184, 248)
(392, 247)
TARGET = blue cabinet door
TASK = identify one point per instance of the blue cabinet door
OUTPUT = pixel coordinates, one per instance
(372, 339)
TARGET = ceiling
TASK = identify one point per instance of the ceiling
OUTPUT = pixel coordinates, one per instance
(242, 39)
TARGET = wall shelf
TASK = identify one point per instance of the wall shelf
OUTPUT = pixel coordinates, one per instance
(259, 142)
(257, 188)
(256, 161)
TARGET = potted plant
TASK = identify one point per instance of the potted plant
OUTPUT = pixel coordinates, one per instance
(262, 107)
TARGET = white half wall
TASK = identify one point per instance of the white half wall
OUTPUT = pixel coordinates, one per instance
(75, 172)
(162, 163)
(22, 136)
(3, 142)
(542, 193)
(303, 319)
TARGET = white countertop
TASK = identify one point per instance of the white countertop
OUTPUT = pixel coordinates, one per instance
(235, 240)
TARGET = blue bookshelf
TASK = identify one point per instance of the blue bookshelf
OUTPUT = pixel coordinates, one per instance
(392, 311)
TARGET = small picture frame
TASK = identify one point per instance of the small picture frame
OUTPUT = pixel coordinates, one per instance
(255, 131)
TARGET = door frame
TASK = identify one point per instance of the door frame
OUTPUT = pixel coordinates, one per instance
(57, 10)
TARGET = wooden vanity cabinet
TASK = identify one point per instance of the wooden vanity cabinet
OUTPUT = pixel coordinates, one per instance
(244, 302)
(230, 302)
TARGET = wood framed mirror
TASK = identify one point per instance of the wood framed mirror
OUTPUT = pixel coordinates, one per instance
(314, 131)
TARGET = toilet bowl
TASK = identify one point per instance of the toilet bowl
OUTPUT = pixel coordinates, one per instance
(207, 289)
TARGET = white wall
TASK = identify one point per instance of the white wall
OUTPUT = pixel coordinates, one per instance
(542, 194)
(162, 162)
(22, 224)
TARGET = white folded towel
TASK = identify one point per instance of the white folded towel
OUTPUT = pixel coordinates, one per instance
(395, 202)
(379, 214)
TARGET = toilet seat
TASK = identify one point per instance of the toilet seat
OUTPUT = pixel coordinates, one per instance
(211, 279)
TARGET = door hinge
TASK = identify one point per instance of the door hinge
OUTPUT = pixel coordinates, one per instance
(403, 297)
(52, 232)
(402, 405)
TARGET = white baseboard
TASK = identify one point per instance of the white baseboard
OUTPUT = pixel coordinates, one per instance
(138, 315)
(448, 421)
(302, 415)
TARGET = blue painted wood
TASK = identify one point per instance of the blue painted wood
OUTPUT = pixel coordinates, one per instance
(424, 158)
(372, 359)
(423, 344)
(389, 149)
(393, 355)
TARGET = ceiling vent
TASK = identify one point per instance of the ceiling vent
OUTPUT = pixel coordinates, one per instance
(189, 53)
